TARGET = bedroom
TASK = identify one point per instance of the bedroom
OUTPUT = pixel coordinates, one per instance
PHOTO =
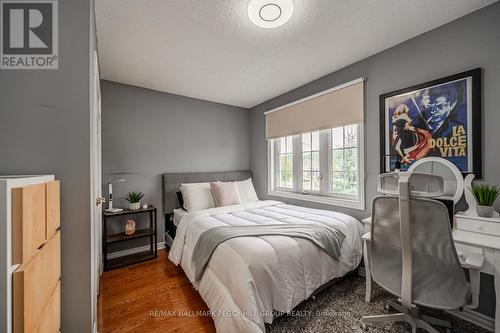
(198, 92)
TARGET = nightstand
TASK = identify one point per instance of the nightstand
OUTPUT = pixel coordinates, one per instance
(108, 239)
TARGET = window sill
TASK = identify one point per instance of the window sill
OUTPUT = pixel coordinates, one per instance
(331, 201)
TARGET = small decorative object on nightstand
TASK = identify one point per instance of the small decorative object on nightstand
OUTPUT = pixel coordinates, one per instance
(130, 227)
(149, 232)
(134, 200)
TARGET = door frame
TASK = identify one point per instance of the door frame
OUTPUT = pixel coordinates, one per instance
(95, 185)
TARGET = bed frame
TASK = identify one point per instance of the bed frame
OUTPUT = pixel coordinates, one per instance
(172, 183)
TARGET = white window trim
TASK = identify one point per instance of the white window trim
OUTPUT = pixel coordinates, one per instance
(313, 197)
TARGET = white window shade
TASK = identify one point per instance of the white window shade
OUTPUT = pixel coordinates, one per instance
(339, 106)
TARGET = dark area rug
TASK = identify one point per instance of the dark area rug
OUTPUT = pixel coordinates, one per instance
(340, 307)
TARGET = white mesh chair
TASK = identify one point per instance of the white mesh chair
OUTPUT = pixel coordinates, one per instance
(412, 254)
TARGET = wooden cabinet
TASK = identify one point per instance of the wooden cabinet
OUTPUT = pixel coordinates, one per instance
(28, 221)
(33, 284)
(30, 295)
(53, 208)
(51, 322)
(35, 216)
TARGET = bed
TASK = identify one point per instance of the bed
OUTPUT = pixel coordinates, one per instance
(248, 281)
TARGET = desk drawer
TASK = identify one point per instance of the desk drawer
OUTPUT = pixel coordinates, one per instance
(33, 285)
(479, 226)
(28, 221)
(51, 317)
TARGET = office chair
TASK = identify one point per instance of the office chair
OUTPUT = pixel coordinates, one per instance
(412, 253)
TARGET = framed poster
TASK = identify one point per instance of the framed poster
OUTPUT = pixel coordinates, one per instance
(440, 118)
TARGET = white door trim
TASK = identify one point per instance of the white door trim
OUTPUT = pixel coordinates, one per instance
(95, 185)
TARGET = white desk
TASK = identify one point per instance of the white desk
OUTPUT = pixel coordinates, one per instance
(474, 237)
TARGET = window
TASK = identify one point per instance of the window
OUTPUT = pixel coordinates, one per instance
(321, 166)
(285, 166)
(310, 162)
(345, 160)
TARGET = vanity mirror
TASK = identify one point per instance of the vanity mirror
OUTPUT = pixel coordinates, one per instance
(453, 178)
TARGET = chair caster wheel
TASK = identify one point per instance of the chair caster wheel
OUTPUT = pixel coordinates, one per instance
(363, 326)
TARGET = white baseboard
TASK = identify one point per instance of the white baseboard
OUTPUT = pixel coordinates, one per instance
(127, 252)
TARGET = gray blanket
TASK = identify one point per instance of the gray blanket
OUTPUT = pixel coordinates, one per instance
(328, 238)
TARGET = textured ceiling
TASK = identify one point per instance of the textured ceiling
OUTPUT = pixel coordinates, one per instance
(209, 49)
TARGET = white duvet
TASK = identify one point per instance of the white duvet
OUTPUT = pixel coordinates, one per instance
(249, 278)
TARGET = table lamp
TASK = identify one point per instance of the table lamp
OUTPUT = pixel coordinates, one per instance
(110, 208)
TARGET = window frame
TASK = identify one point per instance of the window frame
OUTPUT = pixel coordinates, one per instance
(300, 178)
(325, 195)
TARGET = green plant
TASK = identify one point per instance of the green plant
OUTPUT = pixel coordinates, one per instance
(133, 197)
(485, 195)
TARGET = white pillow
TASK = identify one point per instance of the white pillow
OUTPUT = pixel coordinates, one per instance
(247, 191)
(197, 196)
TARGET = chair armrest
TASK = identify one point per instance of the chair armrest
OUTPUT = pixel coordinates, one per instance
(474, 262)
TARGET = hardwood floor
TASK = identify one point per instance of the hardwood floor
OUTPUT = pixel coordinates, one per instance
(153, 296)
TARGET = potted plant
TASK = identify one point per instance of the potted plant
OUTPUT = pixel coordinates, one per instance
(485, 196)
(134, 200)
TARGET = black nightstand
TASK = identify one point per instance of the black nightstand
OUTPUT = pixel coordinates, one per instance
(121, 237)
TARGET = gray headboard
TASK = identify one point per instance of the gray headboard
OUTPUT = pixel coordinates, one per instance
(173, 181)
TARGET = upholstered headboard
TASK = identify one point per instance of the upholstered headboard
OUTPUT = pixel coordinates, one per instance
(172, 182)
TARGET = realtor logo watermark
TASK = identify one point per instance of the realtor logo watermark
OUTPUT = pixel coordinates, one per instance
(29, 34)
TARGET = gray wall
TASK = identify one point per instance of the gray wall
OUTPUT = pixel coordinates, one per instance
(44, 129)
(469, 42)
(147, 133)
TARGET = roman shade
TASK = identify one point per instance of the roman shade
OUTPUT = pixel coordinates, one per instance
(338, 106)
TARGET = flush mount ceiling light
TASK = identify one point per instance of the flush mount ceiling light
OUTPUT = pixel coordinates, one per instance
(270, 13)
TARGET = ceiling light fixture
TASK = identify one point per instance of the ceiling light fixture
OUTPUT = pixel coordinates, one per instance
(270, 13)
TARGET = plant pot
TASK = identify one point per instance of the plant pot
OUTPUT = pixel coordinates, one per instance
(134, 205)
(484, 211)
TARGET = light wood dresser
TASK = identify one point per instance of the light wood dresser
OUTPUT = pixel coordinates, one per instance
(30, 254)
